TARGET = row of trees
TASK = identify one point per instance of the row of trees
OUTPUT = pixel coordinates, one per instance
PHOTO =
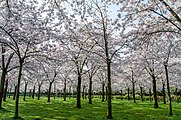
(81, 43)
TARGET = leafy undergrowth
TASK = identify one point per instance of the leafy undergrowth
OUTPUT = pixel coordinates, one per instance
(58, 109)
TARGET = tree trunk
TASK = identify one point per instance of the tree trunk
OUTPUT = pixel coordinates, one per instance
(54, 94)
(103, 85)
(5, 91)
(69, 91)
(134, 98)
(3, 77)
(90, 91)
(14, 95)
(30, 93)
(106, 93)
(176, 91)
(73, 93)
(86, 94)
(128, 94)
(164, 95)
(168, 89)
(150, 94)
(25, 91)
(33, 94)
(39, 91)
(121, 94)
(2, 88)
(155, 92)
(64, 91)
(109, 114)
(17, 91)
(141, 90)
(49, 91)
(133, 84)
(83, 92)
(79, 91)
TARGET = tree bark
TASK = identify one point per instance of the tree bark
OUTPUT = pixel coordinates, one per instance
(3, 76)
(25, 91)
(176, 91)
(39, 91)
(164, 95)
(103, 85)
(121, 94)
(5, 91)
(30, 93)
(17, 91)
(168, 89)
(133, 85)
(83, 92)
(106, 93)
(128, 94)
(64, 90)
(33, 94)
(134, 98)
(155, 92)
(69, 91)
(79, 91)
(109, 114)
(2, 88)
(90, 91)
(14, 95)
(49, 91)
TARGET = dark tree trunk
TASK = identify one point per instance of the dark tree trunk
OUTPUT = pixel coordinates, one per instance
(128, 94)
(2, 88)
(3, 77)
(168, 89)
(54, 94)
(106, 93)
(164, 95)
(103, 85)
(49, 91)
(155, 92)
(69, 92)
(176, 91)
(141, 90)
(133, 85)
(33, 94)
(79, 91)
(39, 91)
(150, 94)
(73, 94)
(15, 90)
(64, 90)
(90, 91)
(134, 99)
(86, 94)
(83, 93)
(5, 91)
(30, 93)
(25, 91)
(109, 114)
(121, 94)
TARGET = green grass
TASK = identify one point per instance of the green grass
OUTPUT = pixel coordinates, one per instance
(58, 109)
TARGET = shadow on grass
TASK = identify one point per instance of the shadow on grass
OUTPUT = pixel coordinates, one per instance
(19, 118)
(3, 110)
(12, 118)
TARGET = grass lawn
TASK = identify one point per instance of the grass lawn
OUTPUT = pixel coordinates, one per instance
(58, 109)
